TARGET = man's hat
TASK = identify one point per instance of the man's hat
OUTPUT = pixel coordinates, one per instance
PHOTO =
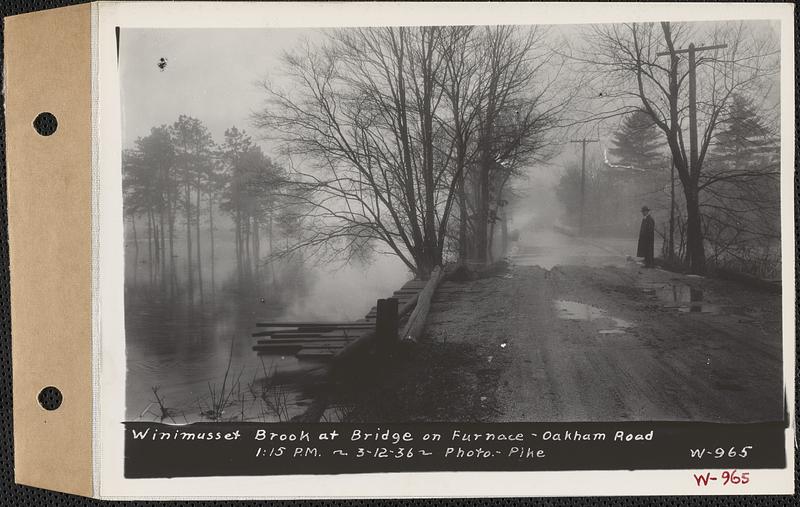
(645, 208)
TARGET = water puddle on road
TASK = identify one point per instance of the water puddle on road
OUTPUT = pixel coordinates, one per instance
(572, 310)
(680, 297)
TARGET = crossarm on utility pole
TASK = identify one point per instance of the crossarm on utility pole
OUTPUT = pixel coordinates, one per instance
(692, 50)
(700, 48)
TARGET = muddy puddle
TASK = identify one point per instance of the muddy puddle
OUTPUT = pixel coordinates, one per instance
(607, 324)
(680, 297)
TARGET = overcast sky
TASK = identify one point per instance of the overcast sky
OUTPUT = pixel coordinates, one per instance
(210, 75)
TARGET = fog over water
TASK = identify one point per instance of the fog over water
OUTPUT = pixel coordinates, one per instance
(184, 349)
(207, 205)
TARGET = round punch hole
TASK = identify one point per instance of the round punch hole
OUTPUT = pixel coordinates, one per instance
(45, 124)
(50, 398)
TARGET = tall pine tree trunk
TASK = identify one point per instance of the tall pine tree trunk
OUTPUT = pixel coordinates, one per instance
(504, 233)
(173, 276)
(135, 251)
(247, 257)
(238, 241)
(157, 247)
(150, 245)
(197, 236)
(162, 239)
(256, 244)
(187, 204)
(271, 259)
(211, 238)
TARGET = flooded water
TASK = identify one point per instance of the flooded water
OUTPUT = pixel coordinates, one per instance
(607, 324)
(547, 248)
(189, 362)
(680, 297)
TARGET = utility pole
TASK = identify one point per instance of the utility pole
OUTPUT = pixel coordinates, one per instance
(583, 142)
(692, 50)
(694, 168)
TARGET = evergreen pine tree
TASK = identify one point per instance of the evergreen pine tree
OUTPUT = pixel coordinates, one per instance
(637, 142)
(744, 139)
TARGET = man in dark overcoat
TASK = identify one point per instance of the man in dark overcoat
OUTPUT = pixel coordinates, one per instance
(646, 238)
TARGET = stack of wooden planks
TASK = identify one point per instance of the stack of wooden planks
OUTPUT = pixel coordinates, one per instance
(324, 340)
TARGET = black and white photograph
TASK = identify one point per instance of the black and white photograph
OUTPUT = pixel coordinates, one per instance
(462, 224)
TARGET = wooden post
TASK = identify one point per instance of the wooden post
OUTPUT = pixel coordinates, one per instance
(387, 322)
(693, 155)
(583, 142)
(694, 161)
(583, 185)
(386, 326)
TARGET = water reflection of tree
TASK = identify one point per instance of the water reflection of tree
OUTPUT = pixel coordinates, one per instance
(202, 221)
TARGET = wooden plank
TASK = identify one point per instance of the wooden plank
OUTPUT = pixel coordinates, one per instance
(355, 332)
(312, 324)
(333, 344)
(316, 354)
(315, 411)
(296, 347)
(273, 333)
(292, 332)
(341, 339)
(299, 346)
(279, 348)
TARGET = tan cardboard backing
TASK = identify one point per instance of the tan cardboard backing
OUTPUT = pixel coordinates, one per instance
(48, 68)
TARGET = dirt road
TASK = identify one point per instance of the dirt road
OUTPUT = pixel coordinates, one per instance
(575, 331)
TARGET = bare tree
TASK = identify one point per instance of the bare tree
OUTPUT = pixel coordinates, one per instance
(515, 111)
(641, 67)
(390, 119)
(362, 114)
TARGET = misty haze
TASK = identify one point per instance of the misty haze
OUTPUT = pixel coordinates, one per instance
(488, 223)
